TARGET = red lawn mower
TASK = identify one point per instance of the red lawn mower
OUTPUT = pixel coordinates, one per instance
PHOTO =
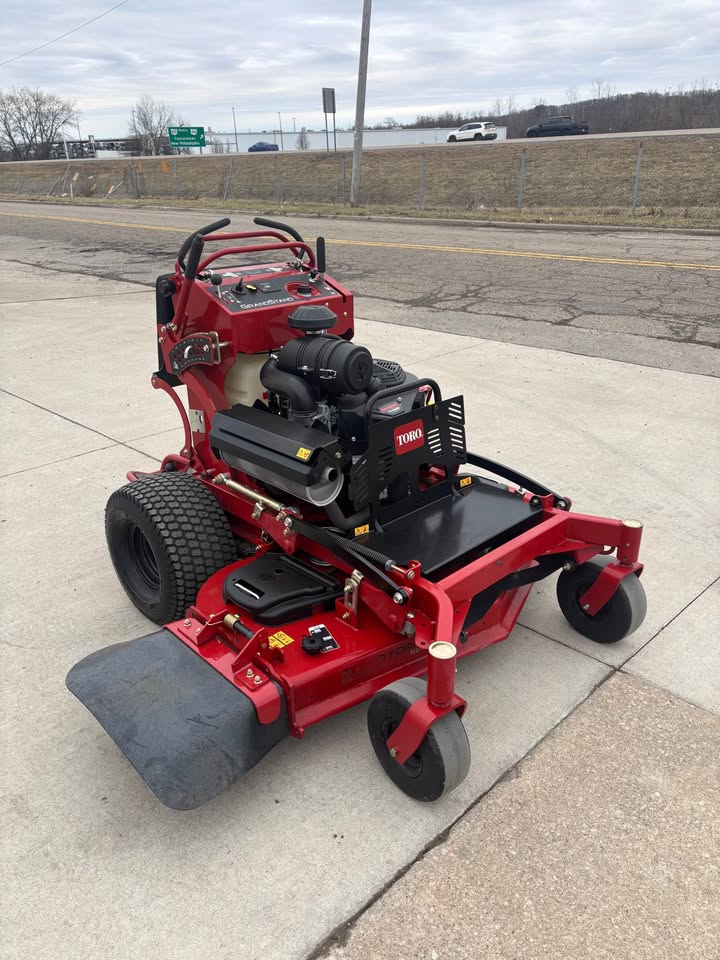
(318, 540)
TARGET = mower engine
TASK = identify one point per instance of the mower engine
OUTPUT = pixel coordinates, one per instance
(321, 387)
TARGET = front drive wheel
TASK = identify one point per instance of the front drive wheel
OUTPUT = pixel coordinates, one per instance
(452, 139)
(621, 615)
(442, 760)
(166, 534)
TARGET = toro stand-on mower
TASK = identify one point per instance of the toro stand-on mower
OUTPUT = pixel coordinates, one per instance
(315, 542)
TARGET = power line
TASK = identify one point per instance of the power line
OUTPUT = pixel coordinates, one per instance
(63, 35)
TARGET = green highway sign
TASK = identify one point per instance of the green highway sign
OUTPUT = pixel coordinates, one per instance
(186, 136)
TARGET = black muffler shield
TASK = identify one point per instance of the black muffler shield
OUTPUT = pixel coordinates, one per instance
(187, 730)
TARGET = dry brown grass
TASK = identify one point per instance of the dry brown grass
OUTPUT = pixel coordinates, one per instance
(584, 181)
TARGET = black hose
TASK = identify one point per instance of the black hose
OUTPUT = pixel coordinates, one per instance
(295, 389)
(342, 522)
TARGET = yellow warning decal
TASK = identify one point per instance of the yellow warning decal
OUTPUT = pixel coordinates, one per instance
(365, 528)
(280, 639)
(303, 453)
(464, 481)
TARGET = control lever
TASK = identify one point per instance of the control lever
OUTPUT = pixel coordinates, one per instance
(319, 270)
(216, 279)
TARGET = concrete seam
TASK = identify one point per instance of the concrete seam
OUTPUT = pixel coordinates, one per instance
(666, 625)
(54, 413)
(50, 463)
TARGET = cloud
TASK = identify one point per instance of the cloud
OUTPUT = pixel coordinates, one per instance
(263, 58)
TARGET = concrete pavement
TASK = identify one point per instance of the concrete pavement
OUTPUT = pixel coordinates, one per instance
(272, 867)
(603, 844)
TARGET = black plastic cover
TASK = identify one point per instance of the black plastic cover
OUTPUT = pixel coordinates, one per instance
(276, 588)
(187, 730)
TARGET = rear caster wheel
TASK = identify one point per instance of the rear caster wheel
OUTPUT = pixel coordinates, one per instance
(442, 760)
(166, 534)
(620, 616)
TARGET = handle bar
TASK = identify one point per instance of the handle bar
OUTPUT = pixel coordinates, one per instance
(276, 225)
(210, 228)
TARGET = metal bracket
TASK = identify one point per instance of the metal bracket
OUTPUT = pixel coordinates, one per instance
(351, 591)
(197, 421)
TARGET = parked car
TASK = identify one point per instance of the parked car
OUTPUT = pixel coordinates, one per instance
(558, 126)
(484, 130)
(261, 146)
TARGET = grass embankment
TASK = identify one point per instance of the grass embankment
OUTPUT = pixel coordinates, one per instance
(577, 181)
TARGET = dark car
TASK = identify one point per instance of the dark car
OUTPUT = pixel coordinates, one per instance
(261, 147)
(557, 127)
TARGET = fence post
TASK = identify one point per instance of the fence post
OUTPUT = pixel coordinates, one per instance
(227, 180)
(521, 188)
(344, 181)
(421, 193)
(636, 185)
(277, 178)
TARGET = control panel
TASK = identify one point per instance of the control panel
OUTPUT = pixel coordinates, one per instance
(248, 306)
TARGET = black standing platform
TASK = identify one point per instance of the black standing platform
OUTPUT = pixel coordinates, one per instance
(439, 532)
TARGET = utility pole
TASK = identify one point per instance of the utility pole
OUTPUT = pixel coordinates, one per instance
(360, 105)
(282, 145)
(237, 148)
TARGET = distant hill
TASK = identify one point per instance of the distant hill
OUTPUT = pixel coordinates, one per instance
(680, 109)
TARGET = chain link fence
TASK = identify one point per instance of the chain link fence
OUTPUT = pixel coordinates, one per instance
(665, 174)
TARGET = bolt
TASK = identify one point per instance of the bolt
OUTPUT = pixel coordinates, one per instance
(398, 597)
(338, 456)
(346, 616)
(186, 452)
(162, 329)
(568, 566)
(206, 348)
(161, 339)
(257, 680)
(186, 623)
(249, 673)
(393, 752)
(287, 522)
(586, 606)
(411, 574)
(197, 632)
(411, 616)
(264, 646)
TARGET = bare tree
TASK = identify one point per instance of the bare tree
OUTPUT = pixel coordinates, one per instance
(303, 140)
(509, 105)
(571, 95)
(498, 107)
(150, 122)
(31, 120)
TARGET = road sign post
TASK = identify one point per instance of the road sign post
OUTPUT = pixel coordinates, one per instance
(328, 96)
(186, 137)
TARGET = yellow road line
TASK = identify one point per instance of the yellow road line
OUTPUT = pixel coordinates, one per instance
(432, 248)
(531, 254)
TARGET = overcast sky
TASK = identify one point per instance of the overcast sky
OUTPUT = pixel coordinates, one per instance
(426, 56)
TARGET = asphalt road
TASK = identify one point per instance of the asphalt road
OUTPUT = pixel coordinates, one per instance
(648, 298)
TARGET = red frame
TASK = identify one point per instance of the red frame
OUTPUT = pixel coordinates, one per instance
(379, 641)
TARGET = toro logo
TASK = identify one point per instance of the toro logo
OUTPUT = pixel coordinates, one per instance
(409, 436)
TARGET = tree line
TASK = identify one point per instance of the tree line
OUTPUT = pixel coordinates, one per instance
(696, 105)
